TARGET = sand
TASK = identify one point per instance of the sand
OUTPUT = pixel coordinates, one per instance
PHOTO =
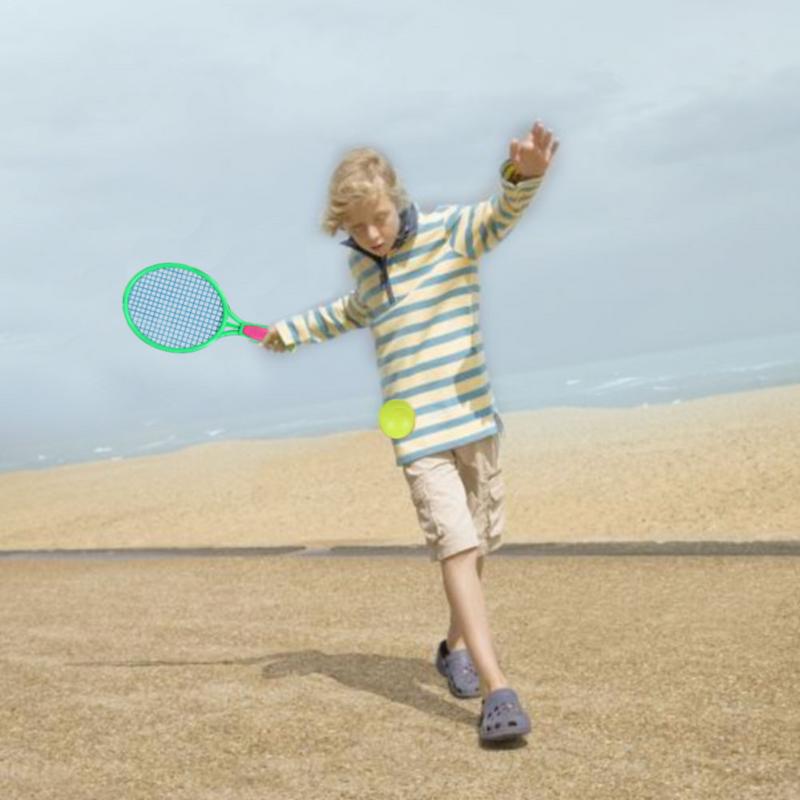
(725, 467)
(297, 677)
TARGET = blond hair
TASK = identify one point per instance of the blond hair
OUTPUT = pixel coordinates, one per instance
(362, 174)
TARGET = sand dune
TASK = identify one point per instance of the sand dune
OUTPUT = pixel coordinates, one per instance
(726, 467)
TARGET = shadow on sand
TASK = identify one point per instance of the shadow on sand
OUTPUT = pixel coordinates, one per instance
(400, 680)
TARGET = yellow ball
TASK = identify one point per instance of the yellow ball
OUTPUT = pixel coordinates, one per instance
(396, 418)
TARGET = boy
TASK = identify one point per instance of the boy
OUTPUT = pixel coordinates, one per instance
(417, 288)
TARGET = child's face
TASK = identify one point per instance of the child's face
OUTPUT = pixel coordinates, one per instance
(374, 225)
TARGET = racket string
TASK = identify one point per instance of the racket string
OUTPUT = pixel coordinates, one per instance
(175, 307)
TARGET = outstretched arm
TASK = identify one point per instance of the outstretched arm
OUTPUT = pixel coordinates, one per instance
(476, 229)
(319, 324)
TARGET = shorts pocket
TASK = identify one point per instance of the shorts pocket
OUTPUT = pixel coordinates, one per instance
(422, 503)
(497, 505)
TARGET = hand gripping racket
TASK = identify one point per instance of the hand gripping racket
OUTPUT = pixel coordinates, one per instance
(181, 309)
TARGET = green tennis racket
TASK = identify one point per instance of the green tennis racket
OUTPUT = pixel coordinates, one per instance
(181, 309)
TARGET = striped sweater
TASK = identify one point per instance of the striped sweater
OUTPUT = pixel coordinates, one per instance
(422, 303)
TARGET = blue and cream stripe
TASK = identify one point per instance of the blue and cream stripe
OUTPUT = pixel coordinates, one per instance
(427, 334)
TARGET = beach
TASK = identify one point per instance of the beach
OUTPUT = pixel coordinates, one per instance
(725, 468)
(295, 675)
(305, 677)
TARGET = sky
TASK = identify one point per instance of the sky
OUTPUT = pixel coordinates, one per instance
(206, 133)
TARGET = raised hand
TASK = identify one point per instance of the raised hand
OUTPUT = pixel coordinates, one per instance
(532, 155)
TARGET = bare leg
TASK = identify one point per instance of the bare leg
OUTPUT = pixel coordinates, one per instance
(462, 585)
(455, 639)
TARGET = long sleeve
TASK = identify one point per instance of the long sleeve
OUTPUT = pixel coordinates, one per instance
(324, 322)
(476, 229)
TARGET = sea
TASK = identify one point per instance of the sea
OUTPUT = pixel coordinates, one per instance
(654, 378)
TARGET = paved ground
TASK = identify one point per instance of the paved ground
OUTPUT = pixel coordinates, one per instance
(311, 677)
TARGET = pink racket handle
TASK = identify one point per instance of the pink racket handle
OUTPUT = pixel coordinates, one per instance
(254, 332)
(257, 333)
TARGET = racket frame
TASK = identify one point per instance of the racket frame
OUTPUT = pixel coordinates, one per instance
(232, 325)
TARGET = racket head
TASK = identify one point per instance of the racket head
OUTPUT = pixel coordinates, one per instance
(175, 307)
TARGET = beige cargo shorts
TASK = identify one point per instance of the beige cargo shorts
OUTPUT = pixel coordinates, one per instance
(459, 496)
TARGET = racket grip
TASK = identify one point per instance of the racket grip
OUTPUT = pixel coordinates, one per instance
(254, 332)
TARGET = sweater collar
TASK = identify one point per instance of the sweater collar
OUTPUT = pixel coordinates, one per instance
(408, 227)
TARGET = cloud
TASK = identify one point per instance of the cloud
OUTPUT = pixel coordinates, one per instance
(741, 121)
(141, 134)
